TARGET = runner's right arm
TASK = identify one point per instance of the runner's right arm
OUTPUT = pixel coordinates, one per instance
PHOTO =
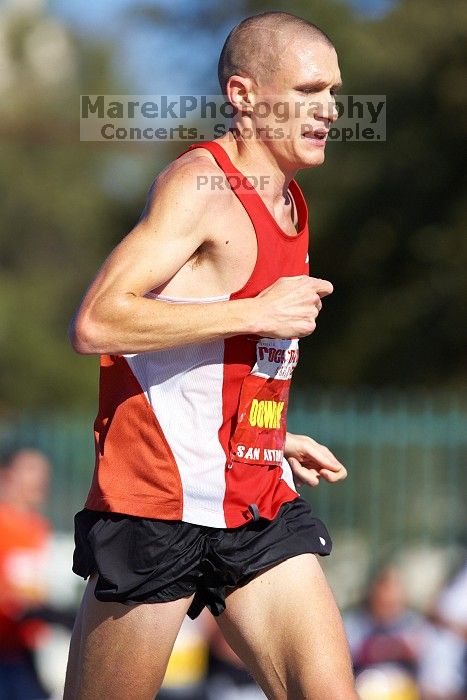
(115, 317)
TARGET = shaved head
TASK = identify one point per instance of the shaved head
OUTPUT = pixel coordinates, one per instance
(255, 47)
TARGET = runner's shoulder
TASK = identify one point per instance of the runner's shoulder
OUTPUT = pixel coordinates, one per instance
(189, 179)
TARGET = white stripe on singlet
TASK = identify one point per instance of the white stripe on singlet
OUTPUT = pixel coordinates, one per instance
(184, 385)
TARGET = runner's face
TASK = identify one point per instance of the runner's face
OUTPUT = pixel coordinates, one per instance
(306, 85)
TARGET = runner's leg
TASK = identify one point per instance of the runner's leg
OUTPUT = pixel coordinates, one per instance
(118, 651)
(286, 627)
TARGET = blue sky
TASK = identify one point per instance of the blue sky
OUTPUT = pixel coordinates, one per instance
(101, 14)
(152, 59)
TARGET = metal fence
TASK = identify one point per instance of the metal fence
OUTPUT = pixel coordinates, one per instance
(405, 453)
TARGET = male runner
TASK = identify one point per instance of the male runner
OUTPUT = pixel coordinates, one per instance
(196, 315)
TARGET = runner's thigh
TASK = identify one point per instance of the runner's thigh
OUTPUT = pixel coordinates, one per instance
(120, 652)
(286, 627)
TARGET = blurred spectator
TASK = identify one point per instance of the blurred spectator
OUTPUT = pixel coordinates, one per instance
(443, 673)
(24, 539)
(386, 640)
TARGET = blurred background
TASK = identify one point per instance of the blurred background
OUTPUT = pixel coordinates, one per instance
(382, 382)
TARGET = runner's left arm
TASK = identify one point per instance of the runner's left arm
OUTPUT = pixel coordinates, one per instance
(309, 461)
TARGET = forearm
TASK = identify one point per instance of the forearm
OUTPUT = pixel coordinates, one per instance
(137, 324)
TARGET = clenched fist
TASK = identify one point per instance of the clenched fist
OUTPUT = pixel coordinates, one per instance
(290, 306)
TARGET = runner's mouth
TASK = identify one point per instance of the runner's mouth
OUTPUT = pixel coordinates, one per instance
(317, 137)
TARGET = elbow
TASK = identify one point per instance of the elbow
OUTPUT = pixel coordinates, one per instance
(96, 328)
(84, 336)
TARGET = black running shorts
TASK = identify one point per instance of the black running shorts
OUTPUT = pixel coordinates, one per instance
(142, 560)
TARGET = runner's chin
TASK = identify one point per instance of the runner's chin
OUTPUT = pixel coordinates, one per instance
(312, 151)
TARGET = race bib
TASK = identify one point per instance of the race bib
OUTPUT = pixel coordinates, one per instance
(261, 428)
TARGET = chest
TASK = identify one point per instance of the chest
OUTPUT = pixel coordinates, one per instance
(225, 262)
